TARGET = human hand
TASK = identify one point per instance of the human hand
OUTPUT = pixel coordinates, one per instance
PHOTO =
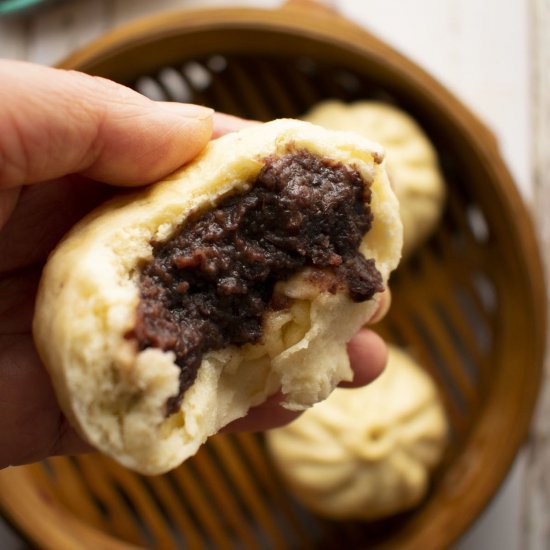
(66, 140)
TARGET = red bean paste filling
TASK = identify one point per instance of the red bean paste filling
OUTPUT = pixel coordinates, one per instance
(209, 285)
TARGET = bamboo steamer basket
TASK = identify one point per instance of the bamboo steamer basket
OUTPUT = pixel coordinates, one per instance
(470, 303)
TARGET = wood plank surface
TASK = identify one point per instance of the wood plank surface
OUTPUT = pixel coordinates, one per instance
(536, 497)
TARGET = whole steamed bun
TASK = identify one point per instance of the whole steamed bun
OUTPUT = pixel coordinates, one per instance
(365, 453)
(412, 161)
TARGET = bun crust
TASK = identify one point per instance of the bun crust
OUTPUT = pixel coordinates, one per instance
(114, 393)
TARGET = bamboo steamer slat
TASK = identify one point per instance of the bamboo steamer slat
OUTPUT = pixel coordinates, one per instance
(470, 304)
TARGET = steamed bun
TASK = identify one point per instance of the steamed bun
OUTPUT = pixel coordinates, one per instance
(365, 453)
(125, 395)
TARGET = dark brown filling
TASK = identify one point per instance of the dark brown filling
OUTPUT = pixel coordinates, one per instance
(209, 285)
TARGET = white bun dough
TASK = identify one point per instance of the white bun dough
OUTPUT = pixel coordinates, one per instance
(412, 161)
(116, 395)
(365, 453)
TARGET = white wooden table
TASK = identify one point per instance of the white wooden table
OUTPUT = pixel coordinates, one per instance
(491, 54)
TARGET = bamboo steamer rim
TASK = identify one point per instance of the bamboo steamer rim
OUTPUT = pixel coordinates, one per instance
(320, 24)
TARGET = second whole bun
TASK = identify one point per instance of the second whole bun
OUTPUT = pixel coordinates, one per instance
(366, 453)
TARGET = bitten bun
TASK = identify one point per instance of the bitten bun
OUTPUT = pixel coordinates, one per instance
(412, 162)
(114, 392)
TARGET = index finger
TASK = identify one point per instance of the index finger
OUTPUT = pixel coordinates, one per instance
(57, 122)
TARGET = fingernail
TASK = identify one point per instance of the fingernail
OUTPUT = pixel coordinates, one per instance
(187, 110)
(383, 307)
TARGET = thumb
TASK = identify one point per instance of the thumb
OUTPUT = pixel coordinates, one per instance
(57, 122)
